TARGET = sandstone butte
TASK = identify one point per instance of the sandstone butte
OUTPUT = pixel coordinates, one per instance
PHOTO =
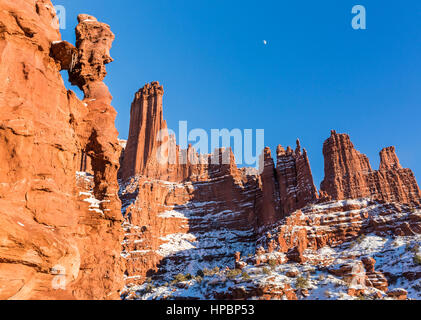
(84, 215)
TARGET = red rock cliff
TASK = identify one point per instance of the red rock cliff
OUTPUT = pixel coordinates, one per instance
(146, 123)
(192, 196)
(348, 174)
(58, 239)
(295, 179)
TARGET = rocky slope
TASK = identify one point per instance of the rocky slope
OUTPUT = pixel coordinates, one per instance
(352, 249)
(196, 229)
(56, 241)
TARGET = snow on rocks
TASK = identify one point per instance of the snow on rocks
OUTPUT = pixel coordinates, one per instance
(367, 264)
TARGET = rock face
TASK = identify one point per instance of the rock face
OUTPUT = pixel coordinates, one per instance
(348, 174)
(146, 126)
(296, 184)
(59, 239)
(60, 209)
(101, 149)
(171, 196)
(186, 212)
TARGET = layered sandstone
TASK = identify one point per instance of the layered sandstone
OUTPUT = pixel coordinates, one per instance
(184, 225)
(269, 209)
(296, 186)
(349, 175)
(146, 126)
(54, 244)
(173, 197)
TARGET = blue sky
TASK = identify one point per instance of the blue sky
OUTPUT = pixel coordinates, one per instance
(315, 74)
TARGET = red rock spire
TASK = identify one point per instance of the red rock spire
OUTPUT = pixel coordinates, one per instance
(389, 160)
(348, 174)
(270, 210)
(148, 131)
(296, 185)
(345, 168)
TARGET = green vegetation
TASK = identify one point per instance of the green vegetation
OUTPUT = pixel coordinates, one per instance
(302, 283)
(180, 278)
(273, 263)
(149, 288)
(232, 274)
(245, 276)
(360, 239)
(267, 271)
(209, 273)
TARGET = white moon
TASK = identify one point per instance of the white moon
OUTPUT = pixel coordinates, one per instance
(265, 42)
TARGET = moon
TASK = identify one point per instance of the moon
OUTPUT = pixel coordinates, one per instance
(265, 42)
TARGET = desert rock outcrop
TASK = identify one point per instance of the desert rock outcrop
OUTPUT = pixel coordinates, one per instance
(58, 239)
(349, 175)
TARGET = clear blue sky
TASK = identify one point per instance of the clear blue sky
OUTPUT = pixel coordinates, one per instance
(315, 74)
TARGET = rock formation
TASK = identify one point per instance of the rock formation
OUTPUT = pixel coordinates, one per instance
(53, 243)
(270, 211)
(296, 184)
(197, 188)
(348, 174)
(185, 212)
(146, 126)
(188, 217)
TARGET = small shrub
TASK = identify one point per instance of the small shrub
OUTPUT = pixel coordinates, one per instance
(180, 278)
(149, 288)
(200, 273)
(232, 274)
(273, 263)
(417, 259)
(266, 271)
(360, 239)
(148, 280)
(210, 273)
(245, 276)
(302, 283)
(207, 272)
